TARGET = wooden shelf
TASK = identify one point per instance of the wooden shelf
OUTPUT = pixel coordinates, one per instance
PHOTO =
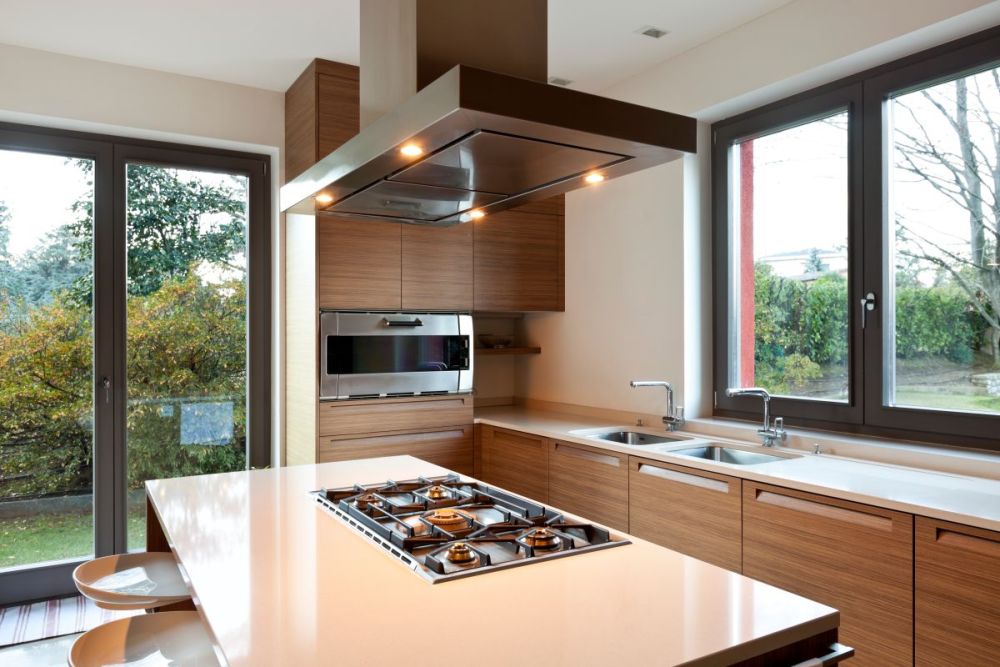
(508, 350)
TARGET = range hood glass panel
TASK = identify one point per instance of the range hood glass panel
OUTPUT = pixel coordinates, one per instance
(500, 163)
(407, 201)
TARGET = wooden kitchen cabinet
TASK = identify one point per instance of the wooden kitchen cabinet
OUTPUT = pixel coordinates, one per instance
(519, 258)
(589, 482)
(437, 267)
(957, 594)
(359, 264)
(515, 461)
(447, 447)
(322, 111)
(380, 415)
(693, 511)
(854, 557)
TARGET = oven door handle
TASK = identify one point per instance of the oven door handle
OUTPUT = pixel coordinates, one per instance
(415, 322)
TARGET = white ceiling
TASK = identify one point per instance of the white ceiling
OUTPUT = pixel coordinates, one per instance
(266, 43)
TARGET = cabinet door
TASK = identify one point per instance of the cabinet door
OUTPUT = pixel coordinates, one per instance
(589, 482)
(692, 511)
(957, 594)
(359, 264)
(519, 258)
(449, 448)
(854, 557)
(515, 461)
(437, 267)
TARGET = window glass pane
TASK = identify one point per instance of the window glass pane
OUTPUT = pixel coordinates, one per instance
(943, 289)
(788, 331)
(46, 358)
(186, 341)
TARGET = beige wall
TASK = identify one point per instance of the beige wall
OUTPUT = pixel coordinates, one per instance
(638, 266)
(48, 89)
(77, 92)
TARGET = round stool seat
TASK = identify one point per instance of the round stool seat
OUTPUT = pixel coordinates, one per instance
(172, 638)
(132, 581)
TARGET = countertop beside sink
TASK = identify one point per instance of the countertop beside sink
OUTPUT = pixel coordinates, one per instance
(967, 500)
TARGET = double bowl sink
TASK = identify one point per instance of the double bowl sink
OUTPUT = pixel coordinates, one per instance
(701, 449)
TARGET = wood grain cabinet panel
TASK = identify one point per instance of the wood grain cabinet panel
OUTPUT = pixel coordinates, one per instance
(437, 267)
(393, 414)
(588, 482)
(449, 447)
(519, 258)
(515, 461)
(322, 111)
(856, 558)
(957, 605)
(692, 511)
(359, 264)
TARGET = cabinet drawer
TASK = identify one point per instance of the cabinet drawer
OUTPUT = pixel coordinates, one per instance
(854, 557)
(393, 414)
(515, 461)
(591, 483)
(449, 448)
(957, 604)
(692, 511)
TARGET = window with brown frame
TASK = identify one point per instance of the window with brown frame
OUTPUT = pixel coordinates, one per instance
(857, 251)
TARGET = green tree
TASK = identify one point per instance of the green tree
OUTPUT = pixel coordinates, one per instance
(814, 263)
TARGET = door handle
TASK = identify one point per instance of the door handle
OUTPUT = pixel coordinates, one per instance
(416, 322)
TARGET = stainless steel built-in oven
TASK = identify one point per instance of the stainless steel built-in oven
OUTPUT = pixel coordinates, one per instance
(370, 355)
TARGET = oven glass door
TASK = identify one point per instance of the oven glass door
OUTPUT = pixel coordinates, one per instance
(355, 355)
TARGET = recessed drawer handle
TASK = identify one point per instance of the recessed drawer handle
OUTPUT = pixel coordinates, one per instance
(834, 656)
(827, 511)
(684, 478)
(980, 545)
(590, 456)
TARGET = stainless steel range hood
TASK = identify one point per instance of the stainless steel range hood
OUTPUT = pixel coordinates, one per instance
(474, 142)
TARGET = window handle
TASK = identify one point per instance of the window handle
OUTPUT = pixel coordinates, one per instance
(867, 305)
(106, 385)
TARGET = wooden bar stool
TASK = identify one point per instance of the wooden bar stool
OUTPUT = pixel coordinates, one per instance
(174, 638)
(145, 580)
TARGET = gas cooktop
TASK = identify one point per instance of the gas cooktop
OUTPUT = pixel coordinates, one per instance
(444, 528)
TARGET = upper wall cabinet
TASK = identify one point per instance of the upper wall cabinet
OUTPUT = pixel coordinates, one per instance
(358, 264)
(437, 267)
(519, 258)
(322, 111)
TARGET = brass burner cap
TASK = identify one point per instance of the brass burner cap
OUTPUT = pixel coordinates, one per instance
(461, 553)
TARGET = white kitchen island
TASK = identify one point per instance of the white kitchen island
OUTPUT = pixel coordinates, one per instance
(280, 581)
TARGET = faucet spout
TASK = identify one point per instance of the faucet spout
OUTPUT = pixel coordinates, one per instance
(675, 414)
(768, 433)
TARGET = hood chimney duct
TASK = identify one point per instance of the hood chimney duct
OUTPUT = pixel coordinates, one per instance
(407, 44)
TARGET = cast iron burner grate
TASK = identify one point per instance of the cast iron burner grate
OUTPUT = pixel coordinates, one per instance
(445, 528)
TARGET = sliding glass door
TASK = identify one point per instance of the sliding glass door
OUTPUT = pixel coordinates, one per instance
(134, 316)
(186, 318)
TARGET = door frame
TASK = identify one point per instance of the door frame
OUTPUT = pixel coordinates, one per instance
(110, 154)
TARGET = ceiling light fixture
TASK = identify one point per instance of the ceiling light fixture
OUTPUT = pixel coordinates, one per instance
(411, 150)
(476, 214)
(652, 31)
(594, 177)
(323, 199)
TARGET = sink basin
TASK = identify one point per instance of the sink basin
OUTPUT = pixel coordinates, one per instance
(634, 438)
(728, 455)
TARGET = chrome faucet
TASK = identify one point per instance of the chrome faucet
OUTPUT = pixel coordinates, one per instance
(770, 433)
(675, 415)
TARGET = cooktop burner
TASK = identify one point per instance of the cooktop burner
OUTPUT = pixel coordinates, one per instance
(445, 528)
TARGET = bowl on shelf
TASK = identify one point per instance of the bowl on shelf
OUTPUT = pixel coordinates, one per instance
(493, 341)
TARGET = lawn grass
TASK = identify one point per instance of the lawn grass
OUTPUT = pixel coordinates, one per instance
(940, 399)
(44, 537)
